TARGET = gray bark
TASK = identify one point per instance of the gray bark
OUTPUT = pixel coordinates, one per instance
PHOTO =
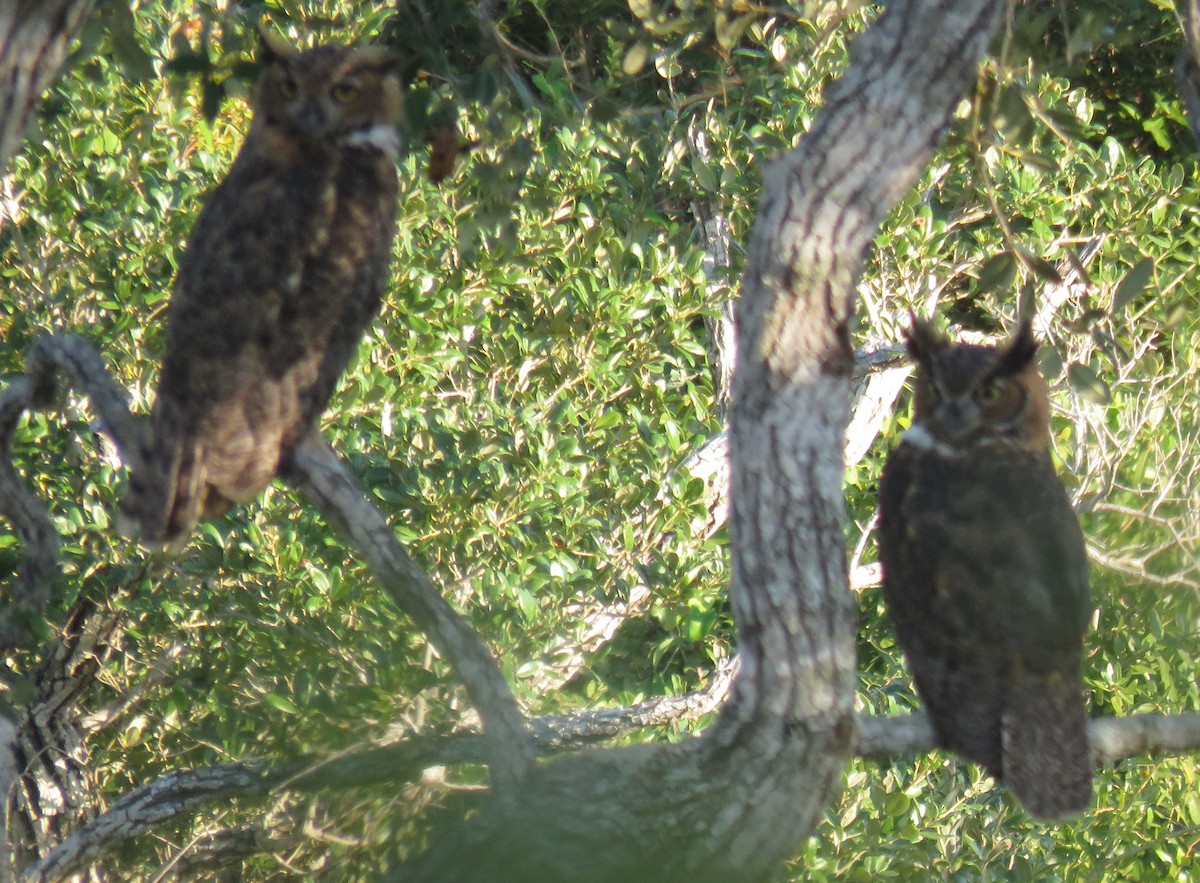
(34, 38)
(737, 802)
(329, 485)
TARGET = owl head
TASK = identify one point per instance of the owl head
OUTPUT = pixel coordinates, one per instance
(329, 95)
(967, 394)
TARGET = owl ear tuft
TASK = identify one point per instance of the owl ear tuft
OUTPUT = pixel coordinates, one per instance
(271, 46)
(923, 338)
(1016, 355)
(384, 61)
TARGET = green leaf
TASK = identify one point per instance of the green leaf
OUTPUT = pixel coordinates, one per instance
(1041, 267)
(136, 63)
(730, 30)
(1088, 384)
(1134, 283)
(281, 703)
(635, 59)
(996, 274)
(1050, 360)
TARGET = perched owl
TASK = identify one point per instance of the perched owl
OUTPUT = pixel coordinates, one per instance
(280, 276)
(985, 572)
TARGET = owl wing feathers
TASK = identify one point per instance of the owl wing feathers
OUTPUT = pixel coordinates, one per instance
(359, 247)
(986, 581)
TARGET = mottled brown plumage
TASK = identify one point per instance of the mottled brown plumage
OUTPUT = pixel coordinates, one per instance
(985, 570)
(283, 270)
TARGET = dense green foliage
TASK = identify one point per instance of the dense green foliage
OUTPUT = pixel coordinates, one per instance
(540, 372)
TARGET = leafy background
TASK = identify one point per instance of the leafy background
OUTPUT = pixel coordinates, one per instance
(540, 373)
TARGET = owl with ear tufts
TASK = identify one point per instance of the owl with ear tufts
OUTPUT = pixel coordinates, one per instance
(985, 572)
(283, 270)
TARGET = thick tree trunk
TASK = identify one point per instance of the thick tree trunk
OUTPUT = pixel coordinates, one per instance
(34, 38)
(736, 803)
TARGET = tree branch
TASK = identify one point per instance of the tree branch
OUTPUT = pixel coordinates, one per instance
(1112, 739)
(35, 36)
(329, 486)
(876, 738)
(171, 795)
(48, 359)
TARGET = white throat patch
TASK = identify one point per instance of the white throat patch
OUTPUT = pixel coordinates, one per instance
(379, 136)
(920, 437)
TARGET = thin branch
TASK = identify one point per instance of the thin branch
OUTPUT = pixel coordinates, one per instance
(329, 486)
(53, 355)
(1113, 739)
(46, 361)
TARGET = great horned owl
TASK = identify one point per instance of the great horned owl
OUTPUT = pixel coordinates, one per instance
(985, 572)
(282, 272)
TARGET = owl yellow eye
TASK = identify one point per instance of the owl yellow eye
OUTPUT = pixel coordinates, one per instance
(345, 93)
(288, 88)
(990, 393)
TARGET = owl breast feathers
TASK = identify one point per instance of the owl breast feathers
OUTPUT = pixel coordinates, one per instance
(282, 272)
(985, 570)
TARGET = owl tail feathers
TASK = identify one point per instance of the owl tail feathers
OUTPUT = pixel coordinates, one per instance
(1046, 759)
(167, 497)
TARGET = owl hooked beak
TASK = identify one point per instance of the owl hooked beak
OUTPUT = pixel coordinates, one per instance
(957, 420)
(311, 118)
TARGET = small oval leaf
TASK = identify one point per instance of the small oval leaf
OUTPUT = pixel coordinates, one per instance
(1088, 384)
(997, 272)
(1051, 362)
(635, 59)
(281, 703)
(1041, 267)
(1133, 284)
